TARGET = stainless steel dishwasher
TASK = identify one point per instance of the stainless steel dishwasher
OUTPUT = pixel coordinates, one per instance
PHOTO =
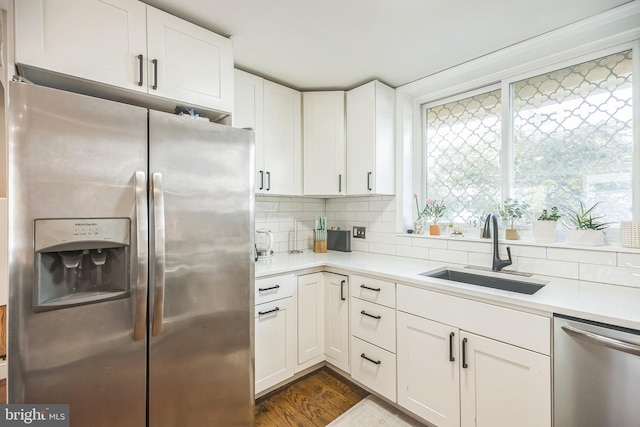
(596, 372)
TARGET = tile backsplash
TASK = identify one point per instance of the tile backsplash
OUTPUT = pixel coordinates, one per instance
(607, 264)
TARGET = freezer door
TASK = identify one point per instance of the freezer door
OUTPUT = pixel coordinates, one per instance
(72, 156)
(201, 273)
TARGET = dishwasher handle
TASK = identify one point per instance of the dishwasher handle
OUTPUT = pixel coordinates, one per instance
(602, 340)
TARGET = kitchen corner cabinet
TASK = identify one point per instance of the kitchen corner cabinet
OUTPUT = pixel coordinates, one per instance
(126, 44)
(274, 112)
(371, 140)
(275, 330)
(310, 319)
(452, 377)
(336, 320)
(324, 144)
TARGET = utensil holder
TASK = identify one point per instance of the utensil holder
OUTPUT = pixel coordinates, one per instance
(319, 246)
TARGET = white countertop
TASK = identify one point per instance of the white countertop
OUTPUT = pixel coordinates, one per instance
(617, 305)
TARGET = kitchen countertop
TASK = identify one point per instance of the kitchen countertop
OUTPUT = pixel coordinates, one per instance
(617, 305)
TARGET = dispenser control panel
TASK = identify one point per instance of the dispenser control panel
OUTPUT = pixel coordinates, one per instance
(50, 233)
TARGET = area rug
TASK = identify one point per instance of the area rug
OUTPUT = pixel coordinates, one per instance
(372, 411)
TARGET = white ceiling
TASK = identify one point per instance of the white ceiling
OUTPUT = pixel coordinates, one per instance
(340, 44)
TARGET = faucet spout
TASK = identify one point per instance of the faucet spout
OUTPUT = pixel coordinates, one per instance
(497, 263)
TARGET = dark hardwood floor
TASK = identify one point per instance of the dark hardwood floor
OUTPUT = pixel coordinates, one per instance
(311, 401)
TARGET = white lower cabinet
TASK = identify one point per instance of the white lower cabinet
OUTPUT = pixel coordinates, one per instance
(503, 385)
(310, 319)
(374, 367)
(275, 342)
(373, 334)
(428, 370)
(452, 377)
(336, 320)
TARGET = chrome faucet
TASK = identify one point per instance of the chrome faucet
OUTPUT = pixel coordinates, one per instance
(497, 264)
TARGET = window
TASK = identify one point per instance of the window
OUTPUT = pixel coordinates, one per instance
(463, 154)
(573, 136)
(571, 140)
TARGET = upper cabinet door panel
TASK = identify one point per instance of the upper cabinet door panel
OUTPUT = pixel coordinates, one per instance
(194, 65)
(91, 39)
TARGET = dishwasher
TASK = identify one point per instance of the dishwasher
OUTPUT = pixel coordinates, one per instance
(596, 371)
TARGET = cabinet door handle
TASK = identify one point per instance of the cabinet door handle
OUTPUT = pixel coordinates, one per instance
(369, 181)
(268, 181)
(370, 289)
(268, 289)
(155, 74)
(262, 313)
(451, 358)
(377, 362)
(140, 63)
(339, 183)
(464, 353)
(342, 298)
(261, 180)
(370, 315)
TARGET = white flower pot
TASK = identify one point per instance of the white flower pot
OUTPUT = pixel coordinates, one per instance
(544, 231)
(585, 237)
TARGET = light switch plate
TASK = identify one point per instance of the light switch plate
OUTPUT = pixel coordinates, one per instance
(359, 232)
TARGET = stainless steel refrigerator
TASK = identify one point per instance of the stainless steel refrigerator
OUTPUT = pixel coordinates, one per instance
(130, 262)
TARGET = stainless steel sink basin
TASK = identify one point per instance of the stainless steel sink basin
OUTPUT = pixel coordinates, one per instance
(512, 285)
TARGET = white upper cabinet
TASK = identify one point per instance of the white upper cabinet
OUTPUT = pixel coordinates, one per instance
(94, 40)
(188, 63)
(324, 144)
(282, 140)
(274, 112)
(370, 139)
(129, 45)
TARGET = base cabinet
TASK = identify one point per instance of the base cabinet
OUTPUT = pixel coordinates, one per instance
(452, 377)
(503, 385)
(275, 342)
(310, 319)
(336, 320)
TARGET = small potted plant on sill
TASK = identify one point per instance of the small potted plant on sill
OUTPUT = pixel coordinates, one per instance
(433, 211)
(585, 228)
(418, 223)
(512, 209)
(544, 228)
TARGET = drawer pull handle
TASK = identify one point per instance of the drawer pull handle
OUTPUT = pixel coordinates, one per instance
(268, 289)
(370, 315)
(451, 358)
(370, 289)
(262, 313)
(342, 298)
(377, 362)
(464, 353)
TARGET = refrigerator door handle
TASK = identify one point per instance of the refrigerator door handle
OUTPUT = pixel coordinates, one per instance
(140, 187)
(159, 253)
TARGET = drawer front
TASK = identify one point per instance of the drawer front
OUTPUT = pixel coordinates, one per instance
(374, 290)
(273, 288)
(374, 367)
(526, 330)
(374, 323)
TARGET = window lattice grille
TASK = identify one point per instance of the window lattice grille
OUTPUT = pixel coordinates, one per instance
(463, 155)
(573, 137)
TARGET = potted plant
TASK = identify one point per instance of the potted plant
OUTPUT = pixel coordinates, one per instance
(433, 211)
(584, 227)
(418, 223)
(544, 228)
(512, 209)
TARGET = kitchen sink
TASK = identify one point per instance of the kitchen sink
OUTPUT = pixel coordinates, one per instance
(511, 285)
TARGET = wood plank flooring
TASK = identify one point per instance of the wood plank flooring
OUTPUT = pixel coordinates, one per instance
(312, 401)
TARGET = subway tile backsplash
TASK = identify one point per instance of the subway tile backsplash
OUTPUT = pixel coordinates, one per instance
(609, 264)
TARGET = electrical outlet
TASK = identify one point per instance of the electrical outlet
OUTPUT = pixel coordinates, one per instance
(359, 232)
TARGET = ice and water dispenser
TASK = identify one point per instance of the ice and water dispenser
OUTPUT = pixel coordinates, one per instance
(80, 261)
